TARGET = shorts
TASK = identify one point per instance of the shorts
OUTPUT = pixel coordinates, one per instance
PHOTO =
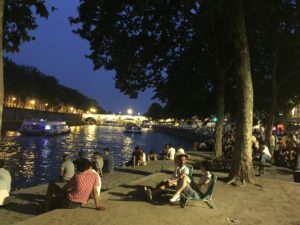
(190, 192)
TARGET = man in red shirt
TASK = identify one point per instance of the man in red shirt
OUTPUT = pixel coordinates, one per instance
(77, 191)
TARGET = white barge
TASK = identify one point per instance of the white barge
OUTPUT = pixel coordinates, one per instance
(43, 127)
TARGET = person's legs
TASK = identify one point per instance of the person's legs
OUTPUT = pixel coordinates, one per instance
(182, 184)
(161, 187)
(53, 189)
(265, 158)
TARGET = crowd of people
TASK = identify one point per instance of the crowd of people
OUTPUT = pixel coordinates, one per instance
(78, 181)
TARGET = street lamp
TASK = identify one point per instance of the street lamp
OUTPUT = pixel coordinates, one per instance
(129, 111)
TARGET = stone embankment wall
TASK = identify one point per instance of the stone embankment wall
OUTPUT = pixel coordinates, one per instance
(187, 134)
(13, 117)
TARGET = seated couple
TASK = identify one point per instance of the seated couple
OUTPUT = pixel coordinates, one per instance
(77, 191)
(182, 182)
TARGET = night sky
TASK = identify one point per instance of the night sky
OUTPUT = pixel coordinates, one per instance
(60, 53)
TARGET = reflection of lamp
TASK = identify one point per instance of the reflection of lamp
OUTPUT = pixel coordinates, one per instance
(32, 103)
(129, 111)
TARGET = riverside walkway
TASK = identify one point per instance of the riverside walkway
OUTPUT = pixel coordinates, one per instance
(271, 201)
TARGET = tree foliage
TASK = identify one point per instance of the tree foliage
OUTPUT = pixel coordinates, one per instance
(19, 20)
(155, 111)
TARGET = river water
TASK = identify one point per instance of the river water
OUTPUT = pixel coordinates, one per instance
(36, 160)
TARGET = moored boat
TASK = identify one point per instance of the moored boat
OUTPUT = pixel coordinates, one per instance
(133, 129)
(43, 127)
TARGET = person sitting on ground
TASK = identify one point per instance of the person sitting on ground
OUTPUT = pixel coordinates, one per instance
(5, 184)
(135, 157)
(142, 158)
(152, 155)
(98, 163)
(179, 179)
(67, 169)
(265, 153)
(80, 161)
(171, 152)
(109, 161)
(77, 190)
(164, 152)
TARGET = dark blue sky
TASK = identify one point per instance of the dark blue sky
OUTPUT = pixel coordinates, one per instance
(60, 53)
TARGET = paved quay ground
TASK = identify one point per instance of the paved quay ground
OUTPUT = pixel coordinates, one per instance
(274, 200)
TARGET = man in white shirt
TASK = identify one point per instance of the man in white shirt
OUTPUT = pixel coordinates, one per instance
(180, 180)
(5, 184)
(171, 152)
(67, 169)
(265, 153)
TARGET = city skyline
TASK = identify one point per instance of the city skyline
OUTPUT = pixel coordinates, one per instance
(60, 53)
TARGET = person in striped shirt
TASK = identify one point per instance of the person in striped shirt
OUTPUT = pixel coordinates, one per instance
(77, 190)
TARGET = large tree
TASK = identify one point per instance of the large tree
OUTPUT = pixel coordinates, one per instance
(144, 42)
(242, 168)
(16, 21)
(275, 46)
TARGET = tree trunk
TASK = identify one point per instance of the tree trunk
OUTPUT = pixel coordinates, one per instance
(220, 112)
(242, 168)
(1, 63)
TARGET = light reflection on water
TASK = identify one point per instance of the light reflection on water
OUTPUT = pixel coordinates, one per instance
(36, 160)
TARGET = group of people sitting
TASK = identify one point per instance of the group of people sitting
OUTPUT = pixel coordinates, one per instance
(182, 180)
(82, 185)
(169, 151)
(138, 157)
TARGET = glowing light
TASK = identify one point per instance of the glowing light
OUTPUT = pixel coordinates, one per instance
(129, 111)
(14, 98)
(293, 111)
(47, 127)
(46, 104)
(93, 110)
(32, 102)
(71, 108)
(139, 114)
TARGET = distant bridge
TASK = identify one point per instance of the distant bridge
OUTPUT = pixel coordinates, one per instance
(113, 119)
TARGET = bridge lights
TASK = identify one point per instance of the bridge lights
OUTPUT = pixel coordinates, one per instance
(93, 110)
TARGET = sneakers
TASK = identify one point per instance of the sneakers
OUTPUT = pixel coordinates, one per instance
(148, 193)
(175, 198)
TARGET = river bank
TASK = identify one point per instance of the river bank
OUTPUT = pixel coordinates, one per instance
(188, 134)
(122, 195)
